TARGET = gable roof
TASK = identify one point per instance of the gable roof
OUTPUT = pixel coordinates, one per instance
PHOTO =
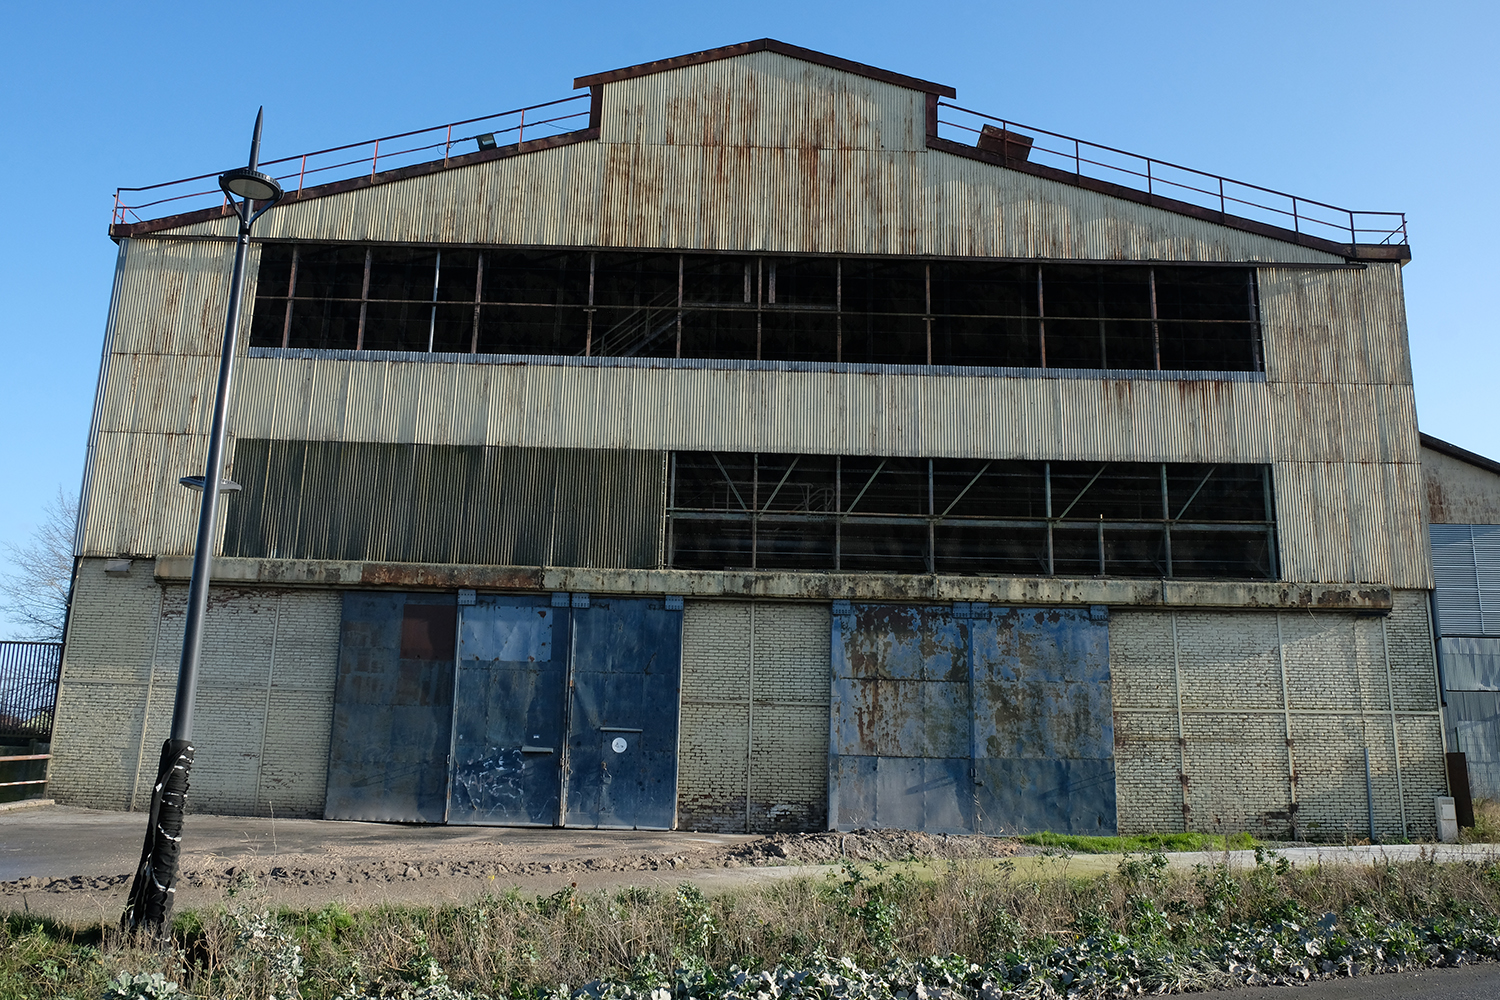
(765, 45)
(1462, 454)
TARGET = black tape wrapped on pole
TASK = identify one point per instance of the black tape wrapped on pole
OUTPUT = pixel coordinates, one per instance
(151, 895)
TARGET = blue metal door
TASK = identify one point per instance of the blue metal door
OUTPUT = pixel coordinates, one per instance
(971, 719)
(392, 708)
(622, 733)
(508, 713)
(1044, 732)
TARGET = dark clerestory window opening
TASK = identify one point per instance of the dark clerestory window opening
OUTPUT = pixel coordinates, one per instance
(970, 517)
(576, 303)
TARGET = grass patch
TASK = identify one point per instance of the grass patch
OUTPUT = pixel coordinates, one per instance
(1486, 828)
(870, 931)
(1142, 843)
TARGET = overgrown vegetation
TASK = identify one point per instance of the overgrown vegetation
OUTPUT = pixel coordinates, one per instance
(1486, 828)
(976, 930)
(1141, 843)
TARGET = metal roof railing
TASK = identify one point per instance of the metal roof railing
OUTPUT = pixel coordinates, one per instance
(1172, 181)
(357, 159)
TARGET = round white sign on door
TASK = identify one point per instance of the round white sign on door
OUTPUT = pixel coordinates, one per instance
(619, 744)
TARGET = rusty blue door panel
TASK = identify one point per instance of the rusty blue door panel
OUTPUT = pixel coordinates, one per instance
(622, 735)
(934, 705)
(902, 793)
(392, 711)
(900, 732)
(1015, 796)
(508, 713)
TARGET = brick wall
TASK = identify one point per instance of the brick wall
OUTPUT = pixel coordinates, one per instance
(265, 695)
(1237, 754)
(772, 749)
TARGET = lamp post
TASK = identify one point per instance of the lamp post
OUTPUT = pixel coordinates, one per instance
(151, 894)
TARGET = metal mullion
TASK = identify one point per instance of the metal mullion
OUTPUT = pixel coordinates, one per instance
(680, 259)
(1202, 483)
(838, 306)
(364, 302)
(1270, 512)
(838, 510)
(668, 554)
(931, 502)
(588, 342)
(437, 276)
(1047, 489)
(728, 479)
(478, 296)
(1166, 513)
(1041, 327)
(699, 514)
(1099, 303)
(1251, 288)
(754, 507)
(759, 283)
(1155, 328)
(927, 319)
(291, 296)
(1101, 545)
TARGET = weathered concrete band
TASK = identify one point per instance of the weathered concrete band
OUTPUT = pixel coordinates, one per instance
(791, 586)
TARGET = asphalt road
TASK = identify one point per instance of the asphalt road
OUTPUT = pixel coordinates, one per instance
(1469, 982)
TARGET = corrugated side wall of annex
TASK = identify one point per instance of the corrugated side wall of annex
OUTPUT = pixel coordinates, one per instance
(1225, 719)
(265, 695)
(755, 695)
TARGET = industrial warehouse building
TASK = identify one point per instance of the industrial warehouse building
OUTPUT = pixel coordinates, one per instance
(758, 455)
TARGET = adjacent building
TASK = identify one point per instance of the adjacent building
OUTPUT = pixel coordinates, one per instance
(782, 447)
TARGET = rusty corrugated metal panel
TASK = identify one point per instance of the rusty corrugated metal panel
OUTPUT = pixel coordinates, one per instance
(1335, 326)
(763, 99)
(443, 504)
(780, 198)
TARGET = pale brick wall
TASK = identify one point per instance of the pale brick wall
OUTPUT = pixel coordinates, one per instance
(101, 699)
(786, 774)
(265, 695)
(1227, 768)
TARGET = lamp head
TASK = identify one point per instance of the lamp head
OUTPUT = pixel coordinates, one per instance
(251, 184)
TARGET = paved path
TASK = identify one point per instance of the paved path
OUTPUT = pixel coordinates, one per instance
(75, 864)
(1469, 982)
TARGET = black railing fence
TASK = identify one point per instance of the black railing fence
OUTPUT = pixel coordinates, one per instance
(28, 688)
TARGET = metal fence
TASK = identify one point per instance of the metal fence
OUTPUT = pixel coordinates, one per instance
(28, 688)
(1088, 160)
(362, 159)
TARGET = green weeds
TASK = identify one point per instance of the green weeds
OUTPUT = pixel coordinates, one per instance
(869, 931)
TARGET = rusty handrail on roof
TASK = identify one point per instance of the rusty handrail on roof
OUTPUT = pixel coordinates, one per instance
(1144, 173)
(212, 195)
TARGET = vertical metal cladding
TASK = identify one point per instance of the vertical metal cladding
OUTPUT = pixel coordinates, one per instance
(764, 153)
(446, 504)
(1335, 326)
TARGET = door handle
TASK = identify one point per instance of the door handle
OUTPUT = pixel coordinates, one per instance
(619, 729)
(538, 750)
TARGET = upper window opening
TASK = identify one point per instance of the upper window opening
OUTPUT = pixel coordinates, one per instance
(752, 307)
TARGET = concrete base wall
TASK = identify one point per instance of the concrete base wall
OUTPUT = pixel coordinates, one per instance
(1224, 720)
(1258, 721)
(265, 695)
(753, 750)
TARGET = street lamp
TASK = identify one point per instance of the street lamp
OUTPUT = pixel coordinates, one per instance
(151, 894)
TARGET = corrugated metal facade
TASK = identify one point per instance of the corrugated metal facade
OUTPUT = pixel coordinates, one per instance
(402, 503)
(765, 152)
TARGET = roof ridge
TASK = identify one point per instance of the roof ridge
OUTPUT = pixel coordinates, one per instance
(765, 45)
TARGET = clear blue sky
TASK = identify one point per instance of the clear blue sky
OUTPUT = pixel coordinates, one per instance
(1369, 105)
